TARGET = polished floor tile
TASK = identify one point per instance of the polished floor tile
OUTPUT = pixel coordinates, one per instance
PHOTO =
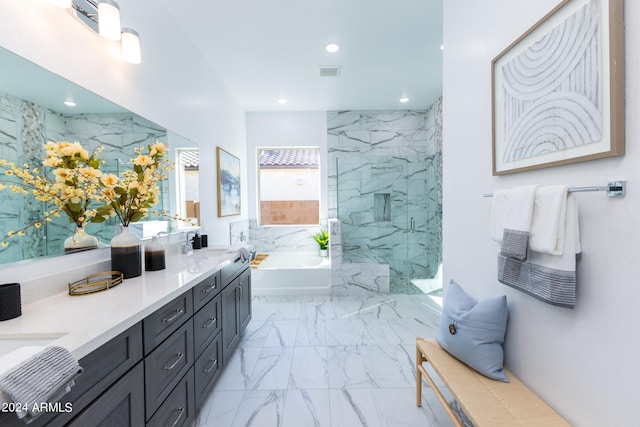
(327, 361)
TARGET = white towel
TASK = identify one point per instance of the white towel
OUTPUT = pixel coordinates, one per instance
(511, 216)
(548, 222)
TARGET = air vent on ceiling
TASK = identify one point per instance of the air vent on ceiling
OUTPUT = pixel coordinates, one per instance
(329, 71)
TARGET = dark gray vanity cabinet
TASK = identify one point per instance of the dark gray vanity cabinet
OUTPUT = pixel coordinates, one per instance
(159, 371)
(236, 306)
(120, 406)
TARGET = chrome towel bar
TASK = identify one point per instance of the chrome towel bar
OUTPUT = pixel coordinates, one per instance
(613, 189)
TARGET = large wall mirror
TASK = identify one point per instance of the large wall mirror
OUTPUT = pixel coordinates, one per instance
(33, 112)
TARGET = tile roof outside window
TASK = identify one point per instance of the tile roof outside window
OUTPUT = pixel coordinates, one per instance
(190, 159)
(289, 158)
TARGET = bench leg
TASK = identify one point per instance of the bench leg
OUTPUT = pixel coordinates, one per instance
(418, 375)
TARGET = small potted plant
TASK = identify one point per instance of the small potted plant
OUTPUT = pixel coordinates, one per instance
(322, 238)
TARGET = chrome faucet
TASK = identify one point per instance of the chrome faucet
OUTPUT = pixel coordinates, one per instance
(187, 247)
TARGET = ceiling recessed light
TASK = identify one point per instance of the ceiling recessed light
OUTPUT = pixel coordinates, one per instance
(282, 101)
(405, 99)
(69, 103)
(332, 47)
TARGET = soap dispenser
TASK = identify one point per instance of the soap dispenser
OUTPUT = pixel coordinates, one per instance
(196, 242)
(154, 257)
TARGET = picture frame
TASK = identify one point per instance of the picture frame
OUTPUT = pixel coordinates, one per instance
(228, 173)
(558, 90)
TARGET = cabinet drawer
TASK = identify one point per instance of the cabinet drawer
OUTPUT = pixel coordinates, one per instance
(204, 291)
(120, 406)
(179, 408)
(159, 325)
(230, 272)
(207, 368)
(206, 324)
(166, 365)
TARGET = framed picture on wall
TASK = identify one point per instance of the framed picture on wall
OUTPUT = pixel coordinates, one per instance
(228, 167)
(558, 90)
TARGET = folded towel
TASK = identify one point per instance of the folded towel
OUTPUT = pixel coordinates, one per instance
(549, 218)
(45, 377)
(511, 215)
(550, 278)
(244, 254)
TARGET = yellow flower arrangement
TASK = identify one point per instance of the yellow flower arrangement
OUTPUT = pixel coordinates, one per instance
(131, 196)
(74, 186)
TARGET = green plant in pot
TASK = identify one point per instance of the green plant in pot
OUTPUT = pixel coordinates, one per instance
(322, 238)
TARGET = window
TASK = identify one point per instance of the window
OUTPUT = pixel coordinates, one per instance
(188, 199)
(289, 186)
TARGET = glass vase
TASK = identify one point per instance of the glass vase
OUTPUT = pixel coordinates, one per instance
(80, 241)
(126, 255)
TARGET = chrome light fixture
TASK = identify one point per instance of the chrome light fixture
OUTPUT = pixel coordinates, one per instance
(109, 19)
(103, 17)
(130, 46)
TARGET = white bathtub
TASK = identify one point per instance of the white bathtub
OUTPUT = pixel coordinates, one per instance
(292, 273)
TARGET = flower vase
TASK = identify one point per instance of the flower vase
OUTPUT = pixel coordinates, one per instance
(126, 255)
(80, 241)
(324, 253)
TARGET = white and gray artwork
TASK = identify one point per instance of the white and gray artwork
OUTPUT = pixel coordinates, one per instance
(553, 91)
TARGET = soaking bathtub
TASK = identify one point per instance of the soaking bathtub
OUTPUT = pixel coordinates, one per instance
(292, 273)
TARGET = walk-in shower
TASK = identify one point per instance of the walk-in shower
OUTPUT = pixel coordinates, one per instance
(386, 181)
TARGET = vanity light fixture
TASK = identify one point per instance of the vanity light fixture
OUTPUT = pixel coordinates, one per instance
(405, 99)
(332, 47)
(109, 19)
(64, 4)
(103, 17)
(130, 46)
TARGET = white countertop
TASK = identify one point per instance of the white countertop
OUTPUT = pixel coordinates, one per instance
(83, 323)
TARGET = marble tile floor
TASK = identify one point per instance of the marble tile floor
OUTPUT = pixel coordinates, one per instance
(328, 361)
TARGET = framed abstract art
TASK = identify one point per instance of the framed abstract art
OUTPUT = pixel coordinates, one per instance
(558, 90)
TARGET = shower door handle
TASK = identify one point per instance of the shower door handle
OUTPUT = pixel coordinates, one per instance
(413, 224)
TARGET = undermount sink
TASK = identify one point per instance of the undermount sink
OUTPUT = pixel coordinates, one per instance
(13, 342)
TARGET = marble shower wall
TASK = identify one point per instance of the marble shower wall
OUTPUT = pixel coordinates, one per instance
(275, 239)
(385, 187)
(24, 128)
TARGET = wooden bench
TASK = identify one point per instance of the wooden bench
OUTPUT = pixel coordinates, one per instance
(485, 402)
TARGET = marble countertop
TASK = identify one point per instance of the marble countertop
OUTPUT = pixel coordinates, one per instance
(84, 323)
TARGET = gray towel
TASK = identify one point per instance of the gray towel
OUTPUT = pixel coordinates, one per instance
(244, 254)
(45, 377)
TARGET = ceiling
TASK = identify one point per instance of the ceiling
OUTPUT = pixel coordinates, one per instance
(265, 50)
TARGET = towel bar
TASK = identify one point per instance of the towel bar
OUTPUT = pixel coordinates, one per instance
(613, 189)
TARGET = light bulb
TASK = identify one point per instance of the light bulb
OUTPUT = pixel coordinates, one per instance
(130, 46)
(109, 19)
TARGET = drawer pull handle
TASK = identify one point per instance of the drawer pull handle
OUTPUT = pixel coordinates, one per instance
(180, 412)
(210, 288)
(173, 365)
(179, 312)
(210, 323)
(213, 365)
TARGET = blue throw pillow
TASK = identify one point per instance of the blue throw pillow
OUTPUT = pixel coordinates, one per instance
(473, 331)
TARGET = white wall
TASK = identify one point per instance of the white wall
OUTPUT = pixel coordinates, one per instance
(173, 86)
(583, 361)
(302, 129)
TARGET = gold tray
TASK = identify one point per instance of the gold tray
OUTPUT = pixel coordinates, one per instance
(96, 283)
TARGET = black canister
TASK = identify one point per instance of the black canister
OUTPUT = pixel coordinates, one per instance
(154, 257)
(10, 301)
(204, 240)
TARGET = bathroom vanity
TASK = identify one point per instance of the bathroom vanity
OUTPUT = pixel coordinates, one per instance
(151, 348)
